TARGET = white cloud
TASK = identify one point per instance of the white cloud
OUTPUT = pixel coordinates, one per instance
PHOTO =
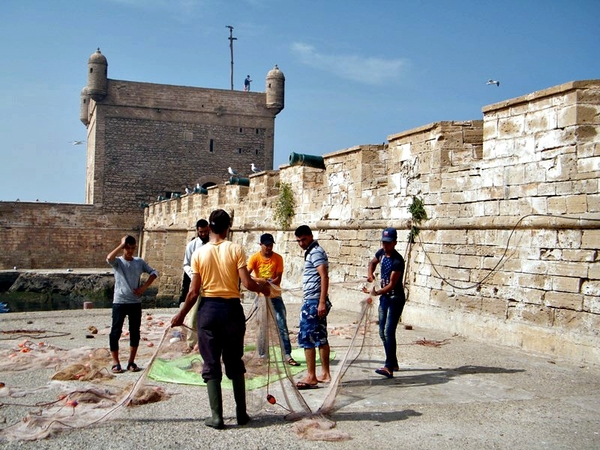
(367, 70)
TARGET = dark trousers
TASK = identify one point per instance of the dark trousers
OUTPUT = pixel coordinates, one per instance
(119, 311)
(185, 287)
(221, 329)
(390, 310)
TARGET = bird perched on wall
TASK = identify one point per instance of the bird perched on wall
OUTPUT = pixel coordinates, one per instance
(188, 190)
(254, 169)
(490, 81)
(231, 171)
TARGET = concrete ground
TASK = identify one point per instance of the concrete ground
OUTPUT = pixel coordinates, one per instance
(451, 393)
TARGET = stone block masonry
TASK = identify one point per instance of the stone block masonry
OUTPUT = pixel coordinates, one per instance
(510, 252)
(57, 235)
(148, 140)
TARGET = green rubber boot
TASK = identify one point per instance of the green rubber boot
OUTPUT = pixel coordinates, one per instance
(215, 399)
(239, 394)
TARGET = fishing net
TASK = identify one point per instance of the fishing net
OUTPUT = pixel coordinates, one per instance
(81, 390)
(271, 382)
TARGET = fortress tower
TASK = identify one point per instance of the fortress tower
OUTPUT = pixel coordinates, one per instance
(146, 140)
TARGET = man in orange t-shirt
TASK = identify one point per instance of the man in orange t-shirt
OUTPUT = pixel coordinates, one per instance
(266, 265)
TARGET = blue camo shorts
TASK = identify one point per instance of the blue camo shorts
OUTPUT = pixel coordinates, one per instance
(313, 330)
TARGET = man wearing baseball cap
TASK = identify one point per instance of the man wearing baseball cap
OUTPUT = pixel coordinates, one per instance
(267, 266)
(391, 300)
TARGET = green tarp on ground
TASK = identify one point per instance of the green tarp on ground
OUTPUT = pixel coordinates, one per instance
(180, 370)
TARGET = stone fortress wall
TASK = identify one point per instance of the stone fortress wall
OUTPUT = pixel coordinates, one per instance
(150, 140)
(510, 252)
(144, 140)
(36, 235)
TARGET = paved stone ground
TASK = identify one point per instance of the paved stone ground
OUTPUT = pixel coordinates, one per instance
(460, 394)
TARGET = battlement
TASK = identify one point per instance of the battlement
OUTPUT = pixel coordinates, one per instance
(509, 252)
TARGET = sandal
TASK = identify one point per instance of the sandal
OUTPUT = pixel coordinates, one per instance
(302, 386)
(292, 362)
(117, 369)
(385, 372)
(132, 367)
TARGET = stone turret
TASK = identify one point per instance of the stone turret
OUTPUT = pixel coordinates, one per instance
(97, 76)
(275, 90)
(84, 106)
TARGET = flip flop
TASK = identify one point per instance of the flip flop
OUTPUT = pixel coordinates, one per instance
(302, 386)
(132, 367)
(117, 369)
(293, 362)
(385, 372)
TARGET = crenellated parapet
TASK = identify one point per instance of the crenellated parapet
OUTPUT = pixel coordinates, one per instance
(510, 250)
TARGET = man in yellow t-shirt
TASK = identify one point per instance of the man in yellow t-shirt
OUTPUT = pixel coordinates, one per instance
(218, 268)
(267, 266)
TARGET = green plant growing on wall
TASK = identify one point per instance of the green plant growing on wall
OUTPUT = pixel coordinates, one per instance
(418, 215)
(285, 206)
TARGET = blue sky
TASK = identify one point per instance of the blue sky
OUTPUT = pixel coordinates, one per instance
(356, 71)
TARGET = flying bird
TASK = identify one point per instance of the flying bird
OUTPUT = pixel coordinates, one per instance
(77, 142)
(231, 171)
(490, 82)
(254, 168)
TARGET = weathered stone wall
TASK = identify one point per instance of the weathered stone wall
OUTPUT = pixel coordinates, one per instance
(144, 140)
(147, 140)
(57, 235)
(510, 252)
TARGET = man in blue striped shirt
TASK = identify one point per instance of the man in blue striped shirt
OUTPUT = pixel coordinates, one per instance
(316, 306)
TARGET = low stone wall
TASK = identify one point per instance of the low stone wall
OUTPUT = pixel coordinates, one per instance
(38, 235)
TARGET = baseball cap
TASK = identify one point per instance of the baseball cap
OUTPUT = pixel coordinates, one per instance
(389, 235)
(267, 239)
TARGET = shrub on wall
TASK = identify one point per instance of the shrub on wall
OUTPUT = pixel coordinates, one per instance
(285, 206)
(418, 215)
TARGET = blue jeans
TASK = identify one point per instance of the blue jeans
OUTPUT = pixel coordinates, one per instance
(390, 310)
(280, 318)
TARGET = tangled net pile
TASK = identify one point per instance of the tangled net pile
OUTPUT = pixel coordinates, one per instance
(87, 392)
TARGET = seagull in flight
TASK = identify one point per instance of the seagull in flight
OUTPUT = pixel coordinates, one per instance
(254, 168)
(490, 82)
(77, 142)
(231, 171)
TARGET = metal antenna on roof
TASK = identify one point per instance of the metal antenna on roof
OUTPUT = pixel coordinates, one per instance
(231, 39)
